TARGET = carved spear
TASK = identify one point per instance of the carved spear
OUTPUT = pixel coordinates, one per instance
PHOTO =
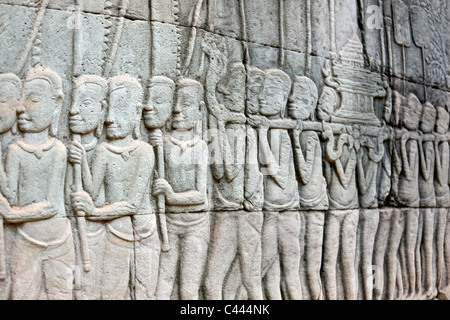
(117, 37)
(281, 30)
(401, 31)
(32, 35)
(77, 176)
(421, 36)
(193, 34)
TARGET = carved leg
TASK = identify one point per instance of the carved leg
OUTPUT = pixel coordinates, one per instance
(440, 238)
(313, 251)
(250, 226)
(288, 237)
(418, 254)
(271, 272)
(168, 264)
(116, 268)
(428, 237)
(58, 271)
(331, 250)
(447, 251)
(348, 252)
(380, 247)
(393, 247)
(369, 219)
(147, 250)
(411, 229)
(222, 251)
(26, 270)
(90, 287)
(5, 285)
(193, 256)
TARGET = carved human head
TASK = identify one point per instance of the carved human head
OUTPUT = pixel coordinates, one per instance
(41, 103)
(187, 111)
(428, 119)
(10, 91)
(327, 103)
(125, 107)
(303, 98)
(158, 109)
(89, 105)
(442, 120)
(255, 80)
(412, 112)
(234, 91)
(274, 93)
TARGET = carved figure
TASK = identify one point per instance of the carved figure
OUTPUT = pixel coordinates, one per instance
(369, 156)
(87, 115)
(442, 192)
(184, 187)
(408, 185)
(281, 227)
(342, 217)
(312, 184)
(238, 231)
(121, 177)
(42, 255)
(425, 235)
(10, 92)
(156, 114)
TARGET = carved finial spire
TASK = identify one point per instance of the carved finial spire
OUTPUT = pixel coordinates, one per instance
(352, 52)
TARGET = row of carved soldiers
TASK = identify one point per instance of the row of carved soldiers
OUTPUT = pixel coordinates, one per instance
(259, 185)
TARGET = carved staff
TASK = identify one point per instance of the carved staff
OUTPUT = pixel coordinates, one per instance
(338, 128)
(401, 31)
(244, 32)
(421, 36)
(81, 221)
(77, 176)
(117, 36)
(281, 28)
(332, 28)
(193, 35)
(32, 35)
(165, 246)
(308, 37)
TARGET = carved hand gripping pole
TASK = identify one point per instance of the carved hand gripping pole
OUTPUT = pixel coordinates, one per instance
(165, 246)
(81, 221)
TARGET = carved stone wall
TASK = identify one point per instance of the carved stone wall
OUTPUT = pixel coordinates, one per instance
(278, 149)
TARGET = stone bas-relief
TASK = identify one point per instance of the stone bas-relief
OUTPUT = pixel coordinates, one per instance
(226, 160)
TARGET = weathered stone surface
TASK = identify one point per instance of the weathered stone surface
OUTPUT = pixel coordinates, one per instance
(276, 149)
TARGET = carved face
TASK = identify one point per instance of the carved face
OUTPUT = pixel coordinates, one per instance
(325, 107)
(412, 113)
(86, 110)
(387, 112)
(272, 99)
(254, 85)
(37, 107)
(9, 100)
(187, 110)
(428, 118)
(159, 107)
(442, 121)
(234, 97)
(121, 118)
(301, 101)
